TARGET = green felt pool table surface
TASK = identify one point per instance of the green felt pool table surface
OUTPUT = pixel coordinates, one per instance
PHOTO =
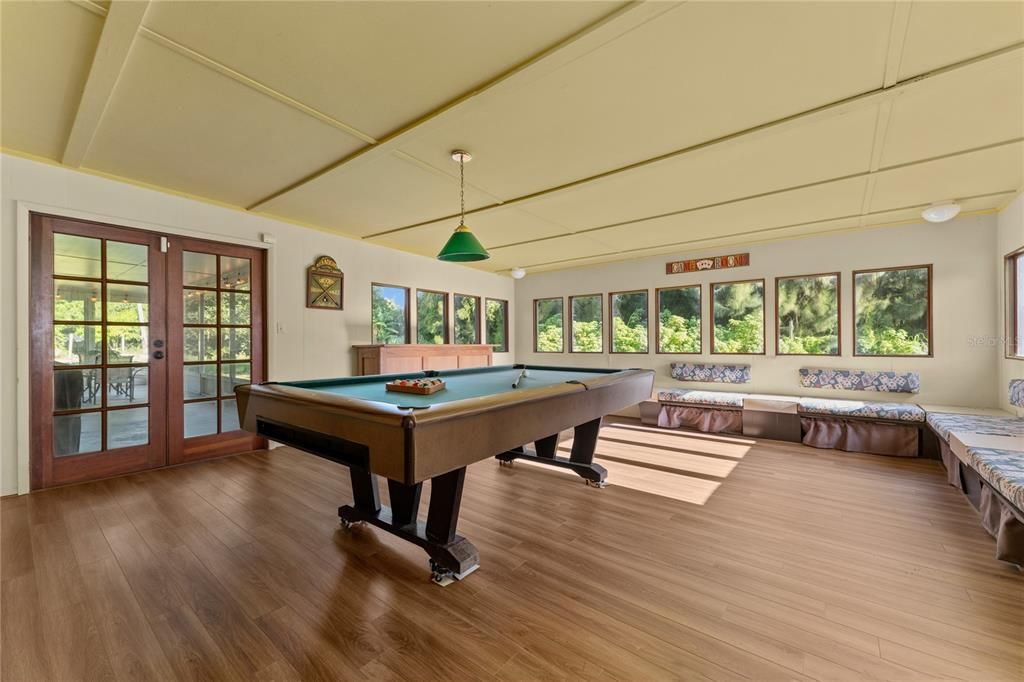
(460, 384)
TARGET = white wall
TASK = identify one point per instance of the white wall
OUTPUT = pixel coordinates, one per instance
(962, 371)
(308, 343)
(1010, 237)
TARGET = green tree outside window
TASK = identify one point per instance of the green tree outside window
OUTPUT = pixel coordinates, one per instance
(431, 316)
(679, 320)
(892, 316)
(550, 326)
(738, 315)
(629, 322)
(808, 315)
(467, 319)
(496, 324)
(388, 322)
(587, 324)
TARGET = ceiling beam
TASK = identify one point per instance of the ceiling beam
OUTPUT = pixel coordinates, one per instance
(606, 29)
(869, 98)
(119, 29)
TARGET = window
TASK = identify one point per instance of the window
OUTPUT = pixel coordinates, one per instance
(807, 315)
(892, 311)
(737, 320)
(587, 324)
(629, 321)
(431, 316)
(496, 324)
(467, 319)
(1015, 305)
(548, 325)
(678, 321)
(389, 314)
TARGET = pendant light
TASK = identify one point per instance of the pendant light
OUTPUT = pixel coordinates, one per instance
(462, 246)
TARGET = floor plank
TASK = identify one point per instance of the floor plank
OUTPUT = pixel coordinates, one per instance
(707, 558)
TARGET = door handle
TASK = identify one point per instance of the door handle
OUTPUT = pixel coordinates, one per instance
(158, 355)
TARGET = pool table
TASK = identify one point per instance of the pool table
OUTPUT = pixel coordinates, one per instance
(409, 439)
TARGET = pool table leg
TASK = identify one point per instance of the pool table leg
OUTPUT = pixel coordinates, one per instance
(452, 557)
(580, 460)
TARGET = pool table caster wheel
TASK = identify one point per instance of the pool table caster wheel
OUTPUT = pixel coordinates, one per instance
(444, 577)
(596, 484)
(349, 525)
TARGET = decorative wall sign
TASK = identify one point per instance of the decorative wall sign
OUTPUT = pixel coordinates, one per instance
(715, 263)
(325, 285)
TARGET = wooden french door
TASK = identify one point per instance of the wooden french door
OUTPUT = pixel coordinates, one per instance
(215, 320)
(111, 349)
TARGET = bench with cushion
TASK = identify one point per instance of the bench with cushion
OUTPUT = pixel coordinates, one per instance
(707, 411)
(881, 428)
(992, 478)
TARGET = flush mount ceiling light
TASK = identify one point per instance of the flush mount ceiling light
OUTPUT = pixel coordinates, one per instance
(518, 273)
(462, 246)
(941, 211)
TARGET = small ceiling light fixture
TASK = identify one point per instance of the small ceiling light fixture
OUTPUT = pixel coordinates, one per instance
(941, 211)
(462, 246)
(518, 273)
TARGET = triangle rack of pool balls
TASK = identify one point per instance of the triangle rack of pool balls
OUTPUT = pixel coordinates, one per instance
(418, 386)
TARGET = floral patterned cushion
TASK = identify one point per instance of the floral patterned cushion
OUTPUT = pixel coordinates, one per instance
(716, 398)
(942, 423)
(904, 412)
(699, 371)
(1017, 392)
(860, 380)
(1003, 469)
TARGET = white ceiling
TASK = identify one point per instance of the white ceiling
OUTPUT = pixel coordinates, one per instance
(600, 130)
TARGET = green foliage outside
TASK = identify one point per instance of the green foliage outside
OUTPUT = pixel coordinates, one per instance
(467, 323)
(739, 318)
(809, 315)
(430, 318)
(495, 313)
(629, 322)
(892, 312)
(679, 320)
(79, 343)
(587, 328)
(550, 338)
(387, 314)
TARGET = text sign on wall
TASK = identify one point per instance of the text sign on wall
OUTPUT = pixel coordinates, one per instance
(716, 263)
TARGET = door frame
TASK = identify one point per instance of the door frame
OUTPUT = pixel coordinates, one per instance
(23, 293)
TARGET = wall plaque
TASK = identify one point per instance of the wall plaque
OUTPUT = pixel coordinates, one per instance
(714, 263)
(325, 285)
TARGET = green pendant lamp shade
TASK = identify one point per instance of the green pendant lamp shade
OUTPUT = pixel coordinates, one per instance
(462, 246)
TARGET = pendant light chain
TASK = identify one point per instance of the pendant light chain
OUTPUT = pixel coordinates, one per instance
(462, 190)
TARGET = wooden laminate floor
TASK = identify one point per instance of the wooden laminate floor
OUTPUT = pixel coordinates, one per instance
(707, 557)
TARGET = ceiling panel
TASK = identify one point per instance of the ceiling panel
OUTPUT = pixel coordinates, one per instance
(829, 147)
(972, 107)
(372, 65)
(698, 247)
(46, 49)
(943, 33)
(559, 248)
(382, 193)
(698, 72)
(175, 123)
(913, 215)
(506, 226)
(965, 175)
(822, 202)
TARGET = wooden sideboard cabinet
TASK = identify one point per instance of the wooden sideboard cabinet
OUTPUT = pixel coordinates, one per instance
(416, 357)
